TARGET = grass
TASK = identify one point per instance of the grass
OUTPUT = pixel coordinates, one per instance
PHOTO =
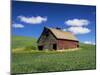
(22, 42)
(33, 61)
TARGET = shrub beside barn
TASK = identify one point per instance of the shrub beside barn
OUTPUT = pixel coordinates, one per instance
(56, 39)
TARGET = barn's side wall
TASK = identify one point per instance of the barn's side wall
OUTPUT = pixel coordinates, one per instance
(66, 44)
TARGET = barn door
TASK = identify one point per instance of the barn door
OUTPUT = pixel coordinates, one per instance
(55, 46)
(40, 47)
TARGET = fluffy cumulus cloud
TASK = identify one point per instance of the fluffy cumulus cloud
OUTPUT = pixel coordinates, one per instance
(77, 26)
(79, 30)
(32, 20)
(77, 22)
(18, 26)
(89, 42)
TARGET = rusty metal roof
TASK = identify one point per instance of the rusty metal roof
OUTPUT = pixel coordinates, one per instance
(59, 34)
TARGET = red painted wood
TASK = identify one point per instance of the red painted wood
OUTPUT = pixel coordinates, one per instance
(65, 44)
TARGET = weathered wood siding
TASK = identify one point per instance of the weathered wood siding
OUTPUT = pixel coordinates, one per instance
(47, 40)
(65, 44)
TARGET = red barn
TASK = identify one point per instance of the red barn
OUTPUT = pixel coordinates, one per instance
(56, 39)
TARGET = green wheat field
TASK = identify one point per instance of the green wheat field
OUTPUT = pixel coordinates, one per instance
(26, 58)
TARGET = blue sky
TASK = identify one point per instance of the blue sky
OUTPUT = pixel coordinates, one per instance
(29, 19)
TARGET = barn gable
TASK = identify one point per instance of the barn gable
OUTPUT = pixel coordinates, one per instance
(45, 35)
(46, 39)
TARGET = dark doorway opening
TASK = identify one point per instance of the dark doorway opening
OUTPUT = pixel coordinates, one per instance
(55, 46)
(77, 46)
(40, 47)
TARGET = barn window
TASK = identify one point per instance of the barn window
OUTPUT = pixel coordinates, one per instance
(47, 34)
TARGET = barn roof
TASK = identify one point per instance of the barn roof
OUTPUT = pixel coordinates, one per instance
(59, 34)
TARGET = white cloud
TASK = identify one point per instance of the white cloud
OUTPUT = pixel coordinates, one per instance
(89, 42)
(77, 22)
(32, 20)
(18, 26)
(64, 29)
(79, 30)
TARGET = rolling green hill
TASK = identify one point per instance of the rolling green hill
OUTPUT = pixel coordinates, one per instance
(49, 61)
(23, 41)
